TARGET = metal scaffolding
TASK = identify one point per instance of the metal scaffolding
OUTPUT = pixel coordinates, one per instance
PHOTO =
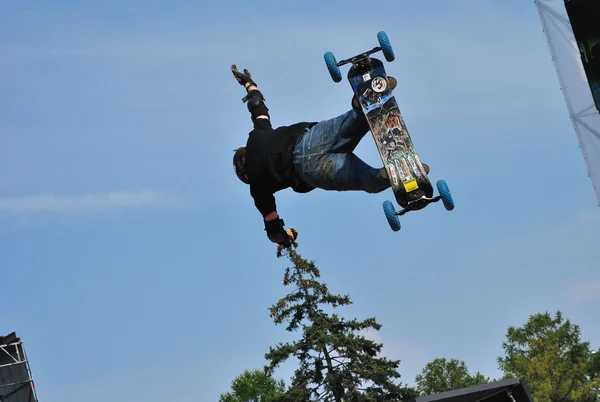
(16, 382)
(573, 84)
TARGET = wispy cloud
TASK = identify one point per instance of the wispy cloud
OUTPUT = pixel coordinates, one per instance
(583, 220)
(585, 291)
(61, 203)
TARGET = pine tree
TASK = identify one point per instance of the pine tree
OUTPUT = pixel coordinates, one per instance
(336, 363)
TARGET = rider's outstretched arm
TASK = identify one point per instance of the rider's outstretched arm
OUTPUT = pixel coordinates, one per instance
(274, 225)
(256, 101)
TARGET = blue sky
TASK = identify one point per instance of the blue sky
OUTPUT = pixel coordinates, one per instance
(134, 262)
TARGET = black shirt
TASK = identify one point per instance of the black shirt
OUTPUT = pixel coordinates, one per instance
(269, 162)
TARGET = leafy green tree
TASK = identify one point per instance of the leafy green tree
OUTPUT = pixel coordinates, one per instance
(335, 362)
(254, 386)
(441, 375)
(549, 354)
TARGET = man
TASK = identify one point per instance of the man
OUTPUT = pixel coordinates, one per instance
(303, 156)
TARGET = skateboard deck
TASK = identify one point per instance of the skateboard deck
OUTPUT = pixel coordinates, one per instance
(409, 182)
(407, 176)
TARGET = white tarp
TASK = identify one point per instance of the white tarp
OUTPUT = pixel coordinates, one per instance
(573, 83)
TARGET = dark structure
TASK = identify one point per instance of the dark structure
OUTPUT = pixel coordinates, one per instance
(584, 16)
(511, 390)
(16, 383)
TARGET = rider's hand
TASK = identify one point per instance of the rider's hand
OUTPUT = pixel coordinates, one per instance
(277, 234)
(289, 239)
(292, 233)
(245, 78)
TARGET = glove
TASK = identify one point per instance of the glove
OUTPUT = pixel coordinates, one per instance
(289, 240)
(277, 234)
(292, 236)
(292, 233)
(245, 78)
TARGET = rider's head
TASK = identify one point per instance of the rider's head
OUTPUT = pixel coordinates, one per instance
(239, 161)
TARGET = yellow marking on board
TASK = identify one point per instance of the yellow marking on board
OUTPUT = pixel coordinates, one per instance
(411, 185)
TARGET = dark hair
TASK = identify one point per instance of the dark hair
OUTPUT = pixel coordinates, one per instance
(239, 163)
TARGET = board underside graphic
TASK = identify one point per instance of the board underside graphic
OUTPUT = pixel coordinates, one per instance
(407, 176)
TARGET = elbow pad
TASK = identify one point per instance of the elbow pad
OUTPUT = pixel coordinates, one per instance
(256, 104)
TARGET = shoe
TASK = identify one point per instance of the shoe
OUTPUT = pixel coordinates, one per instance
(392, 84)
(392, 81)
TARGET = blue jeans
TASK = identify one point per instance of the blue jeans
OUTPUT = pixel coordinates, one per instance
(324, 156)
